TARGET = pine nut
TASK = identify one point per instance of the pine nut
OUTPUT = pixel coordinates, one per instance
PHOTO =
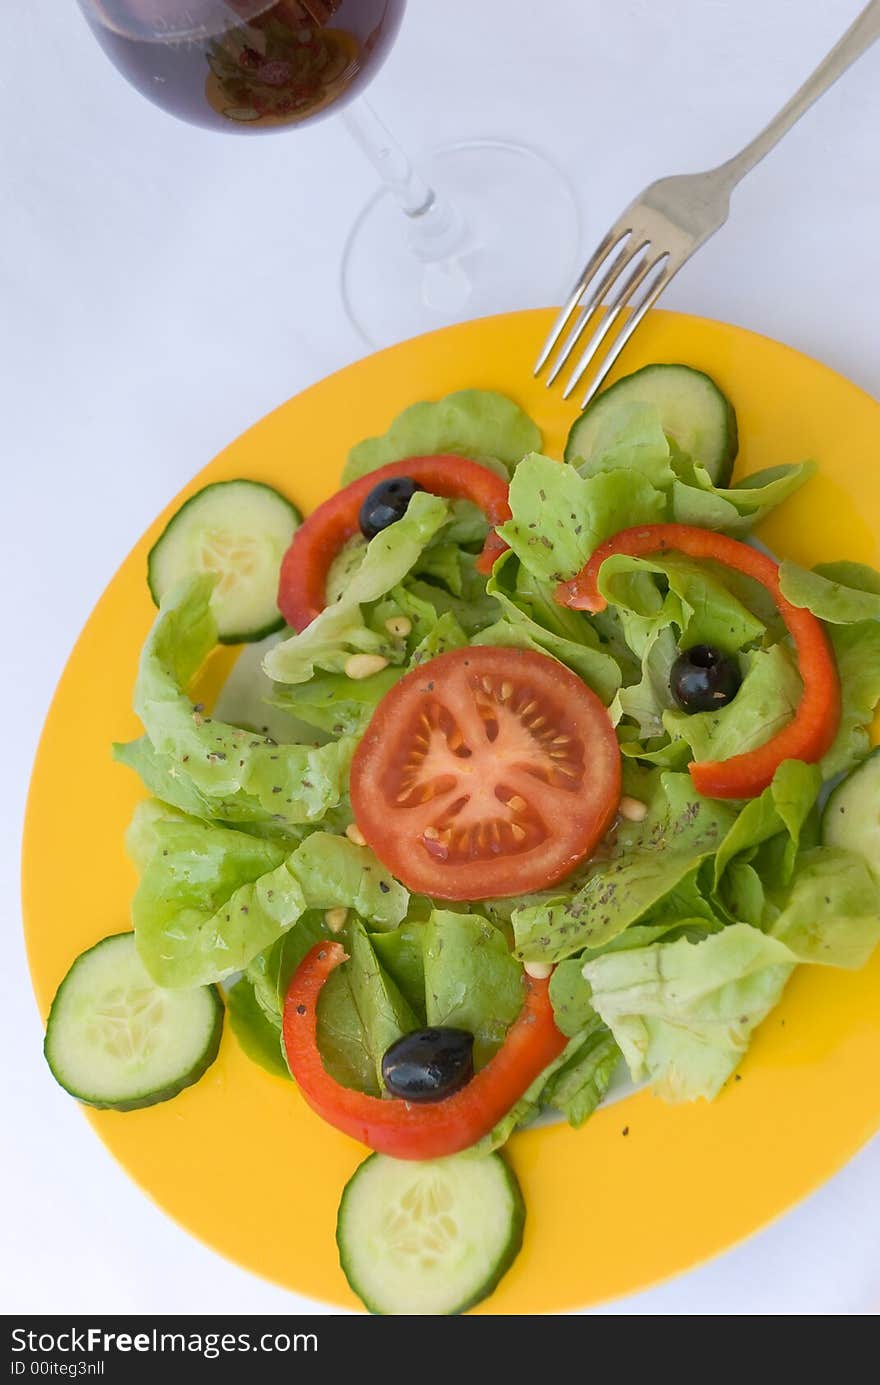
(398, 626)
(335, 919)
(538, 971)
(354, 834)
(633, 809)
(365, 665)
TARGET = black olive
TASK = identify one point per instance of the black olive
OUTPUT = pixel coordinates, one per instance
(704, 679)
(386, 504)
(429, 1064)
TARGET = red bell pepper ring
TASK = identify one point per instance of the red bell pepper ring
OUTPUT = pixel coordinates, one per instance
(812, 729)
(303, 583)
(408, 1130)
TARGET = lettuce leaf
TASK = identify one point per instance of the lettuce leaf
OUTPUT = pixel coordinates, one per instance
(480, 424)
(453, 969)
(307, 782)
(333, 703)
(211, 898)
(342, 1039)
(579, 1084)
(847, 596)
(208, 767)
(532, 620)
(840, 593)
(831, 913)
(425, 602)
(736, 509)
(648, 863)
(632, 440)
(645, 702)
(258, 1036)
(857, 651)
(270, 971)
(782, 807)
(558, 517)
(766, 701)
(340, 630)
(574, 1084)
(383, 1012)
(683, 1013)
(402, 954)
(472, 981)
(698, 601)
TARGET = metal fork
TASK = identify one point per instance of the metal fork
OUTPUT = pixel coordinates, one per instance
(672, 218)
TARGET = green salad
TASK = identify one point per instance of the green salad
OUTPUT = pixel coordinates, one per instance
(551, 779)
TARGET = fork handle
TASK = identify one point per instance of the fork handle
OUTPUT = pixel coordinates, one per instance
(857, 39)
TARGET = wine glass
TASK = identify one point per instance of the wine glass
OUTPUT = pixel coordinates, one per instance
(484, 226)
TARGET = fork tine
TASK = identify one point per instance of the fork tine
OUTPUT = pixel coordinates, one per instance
(603, 250)
(638, 313)
(638, 276)
(632, 247)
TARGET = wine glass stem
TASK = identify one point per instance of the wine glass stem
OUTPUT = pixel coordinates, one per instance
(436, 230)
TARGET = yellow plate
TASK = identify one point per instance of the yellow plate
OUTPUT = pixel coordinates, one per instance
(644, 1190)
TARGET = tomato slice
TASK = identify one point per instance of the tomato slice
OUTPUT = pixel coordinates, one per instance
(486, 772)
(814, 725)
(303, 582)
(400, 1128)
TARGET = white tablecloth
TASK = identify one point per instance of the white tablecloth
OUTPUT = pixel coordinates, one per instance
(161, 288)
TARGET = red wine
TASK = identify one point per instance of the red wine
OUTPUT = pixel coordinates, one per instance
(246, 66)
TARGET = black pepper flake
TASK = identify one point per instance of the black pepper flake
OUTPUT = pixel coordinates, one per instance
(737, 1077)
(245, 909)
(198, 706)
(277, 788)
(625, 1130)
(384, 886)
(300, 1009)
(184, 760)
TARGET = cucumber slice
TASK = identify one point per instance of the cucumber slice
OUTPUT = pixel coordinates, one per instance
(114, 1039)
(428, 1238)
(241, 531)
(693, 411)
(852, 813)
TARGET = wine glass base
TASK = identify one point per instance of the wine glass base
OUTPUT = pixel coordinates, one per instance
(516, 246)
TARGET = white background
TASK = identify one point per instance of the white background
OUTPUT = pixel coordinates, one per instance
(161, 288)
